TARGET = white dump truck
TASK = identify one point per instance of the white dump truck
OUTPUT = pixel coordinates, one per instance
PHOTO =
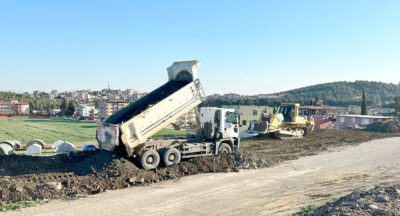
(129, 130)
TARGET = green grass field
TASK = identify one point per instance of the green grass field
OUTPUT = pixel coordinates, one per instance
(50, 130)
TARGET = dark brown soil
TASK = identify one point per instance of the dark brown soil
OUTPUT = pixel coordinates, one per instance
(384, 127)
(79, 174)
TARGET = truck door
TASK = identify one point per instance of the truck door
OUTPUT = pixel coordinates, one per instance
(231, 124)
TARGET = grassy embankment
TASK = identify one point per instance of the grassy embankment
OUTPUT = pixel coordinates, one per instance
(50, 130)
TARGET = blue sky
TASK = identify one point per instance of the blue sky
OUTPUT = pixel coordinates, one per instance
(246, 47)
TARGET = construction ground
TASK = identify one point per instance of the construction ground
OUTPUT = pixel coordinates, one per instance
(283, 186)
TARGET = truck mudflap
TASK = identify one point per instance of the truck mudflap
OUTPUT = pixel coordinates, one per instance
(108, 136)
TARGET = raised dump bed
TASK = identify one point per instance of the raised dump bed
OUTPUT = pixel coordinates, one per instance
(145, 102)
(138, 121)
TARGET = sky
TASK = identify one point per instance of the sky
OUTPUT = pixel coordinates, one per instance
(245, 47)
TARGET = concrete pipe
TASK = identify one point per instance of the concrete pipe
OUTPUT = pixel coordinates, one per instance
(36, 141)
(7, 148)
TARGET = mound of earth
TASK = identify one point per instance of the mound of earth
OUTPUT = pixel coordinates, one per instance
(25, 178)
(384, 127)
(62, 176)
(381, 200)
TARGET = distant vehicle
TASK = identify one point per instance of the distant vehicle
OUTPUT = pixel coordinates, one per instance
(127, 131)
(284, 122)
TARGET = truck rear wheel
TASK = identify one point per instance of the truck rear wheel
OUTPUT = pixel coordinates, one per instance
(171, 157)
(149, 159)
(224, 148)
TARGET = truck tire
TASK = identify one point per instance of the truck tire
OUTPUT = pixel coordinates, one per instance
(149, 159)
(224, 148)
(171, 156)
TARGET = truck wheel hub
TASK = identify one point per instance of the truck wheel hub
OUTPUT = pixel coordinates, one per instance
(171, 157)
(149, 159)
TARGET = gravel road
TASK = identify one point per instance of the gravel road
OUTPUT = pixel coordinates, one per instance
(279, 190)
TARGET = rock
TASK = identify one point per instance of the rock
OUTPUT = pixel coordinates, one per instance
(227, 170)
(373, 206)
(360, 200)
(254, 164)
(17, 188)
(132, 180)
(397, 192)
(382, 199)
(382, 191)
(355, 194)
(140, 181)
(55, 185)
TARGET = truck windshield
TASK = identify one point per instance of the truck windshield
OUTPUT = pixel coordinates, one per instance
(231, 117)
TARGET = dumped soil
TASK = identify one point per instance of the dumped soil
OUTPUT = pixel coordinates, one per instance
(384, 127)
(25, 178)
(381, 200)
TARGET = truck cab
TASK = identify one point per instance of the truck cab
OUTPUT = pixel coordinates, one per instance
(225, 121)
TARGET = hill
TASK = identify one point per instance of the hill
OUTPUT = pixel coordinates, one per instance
(335, 93)
(346, 92)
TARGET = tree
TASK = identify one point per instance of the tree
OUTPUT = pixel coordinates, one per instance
(397, 105)
(71, 108)
(63, 107)
(364, 105)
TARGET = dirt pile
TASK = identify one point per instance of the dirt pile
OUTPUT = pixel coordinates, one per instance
(65, 176)
(381, 200)
(25, 178)
(384, 127)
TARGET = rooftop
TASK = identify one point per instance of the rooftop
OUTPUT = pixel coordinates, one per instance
(322, 107)
(367, 116)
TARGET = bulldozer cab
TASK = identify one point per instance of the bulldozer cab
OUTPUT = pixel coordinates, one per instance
(288, 111)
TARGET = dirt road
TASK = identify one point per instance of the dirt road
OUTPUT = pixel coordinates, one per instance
(280, 190)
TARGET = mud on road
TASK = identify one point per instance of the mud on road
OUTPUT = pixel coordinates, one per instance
(83, 173)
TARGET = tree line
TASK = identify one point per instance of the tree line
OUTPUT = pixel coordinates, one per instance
(35, 103)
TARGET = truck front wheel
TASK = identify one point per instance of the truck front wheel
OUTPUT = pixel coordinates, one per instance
(224, 148)
(171, 157)
(149, 159)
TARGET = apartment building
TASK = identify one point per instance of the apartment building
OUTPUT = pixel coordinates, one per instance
(108, 108)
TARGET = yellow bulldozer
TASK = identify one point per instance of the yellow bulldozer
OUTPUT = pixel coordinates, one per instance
(285, 122)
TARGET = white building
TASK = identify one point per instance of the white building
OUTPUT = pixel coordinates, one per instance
(129, 92)
(138, 95)
(84, 110)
